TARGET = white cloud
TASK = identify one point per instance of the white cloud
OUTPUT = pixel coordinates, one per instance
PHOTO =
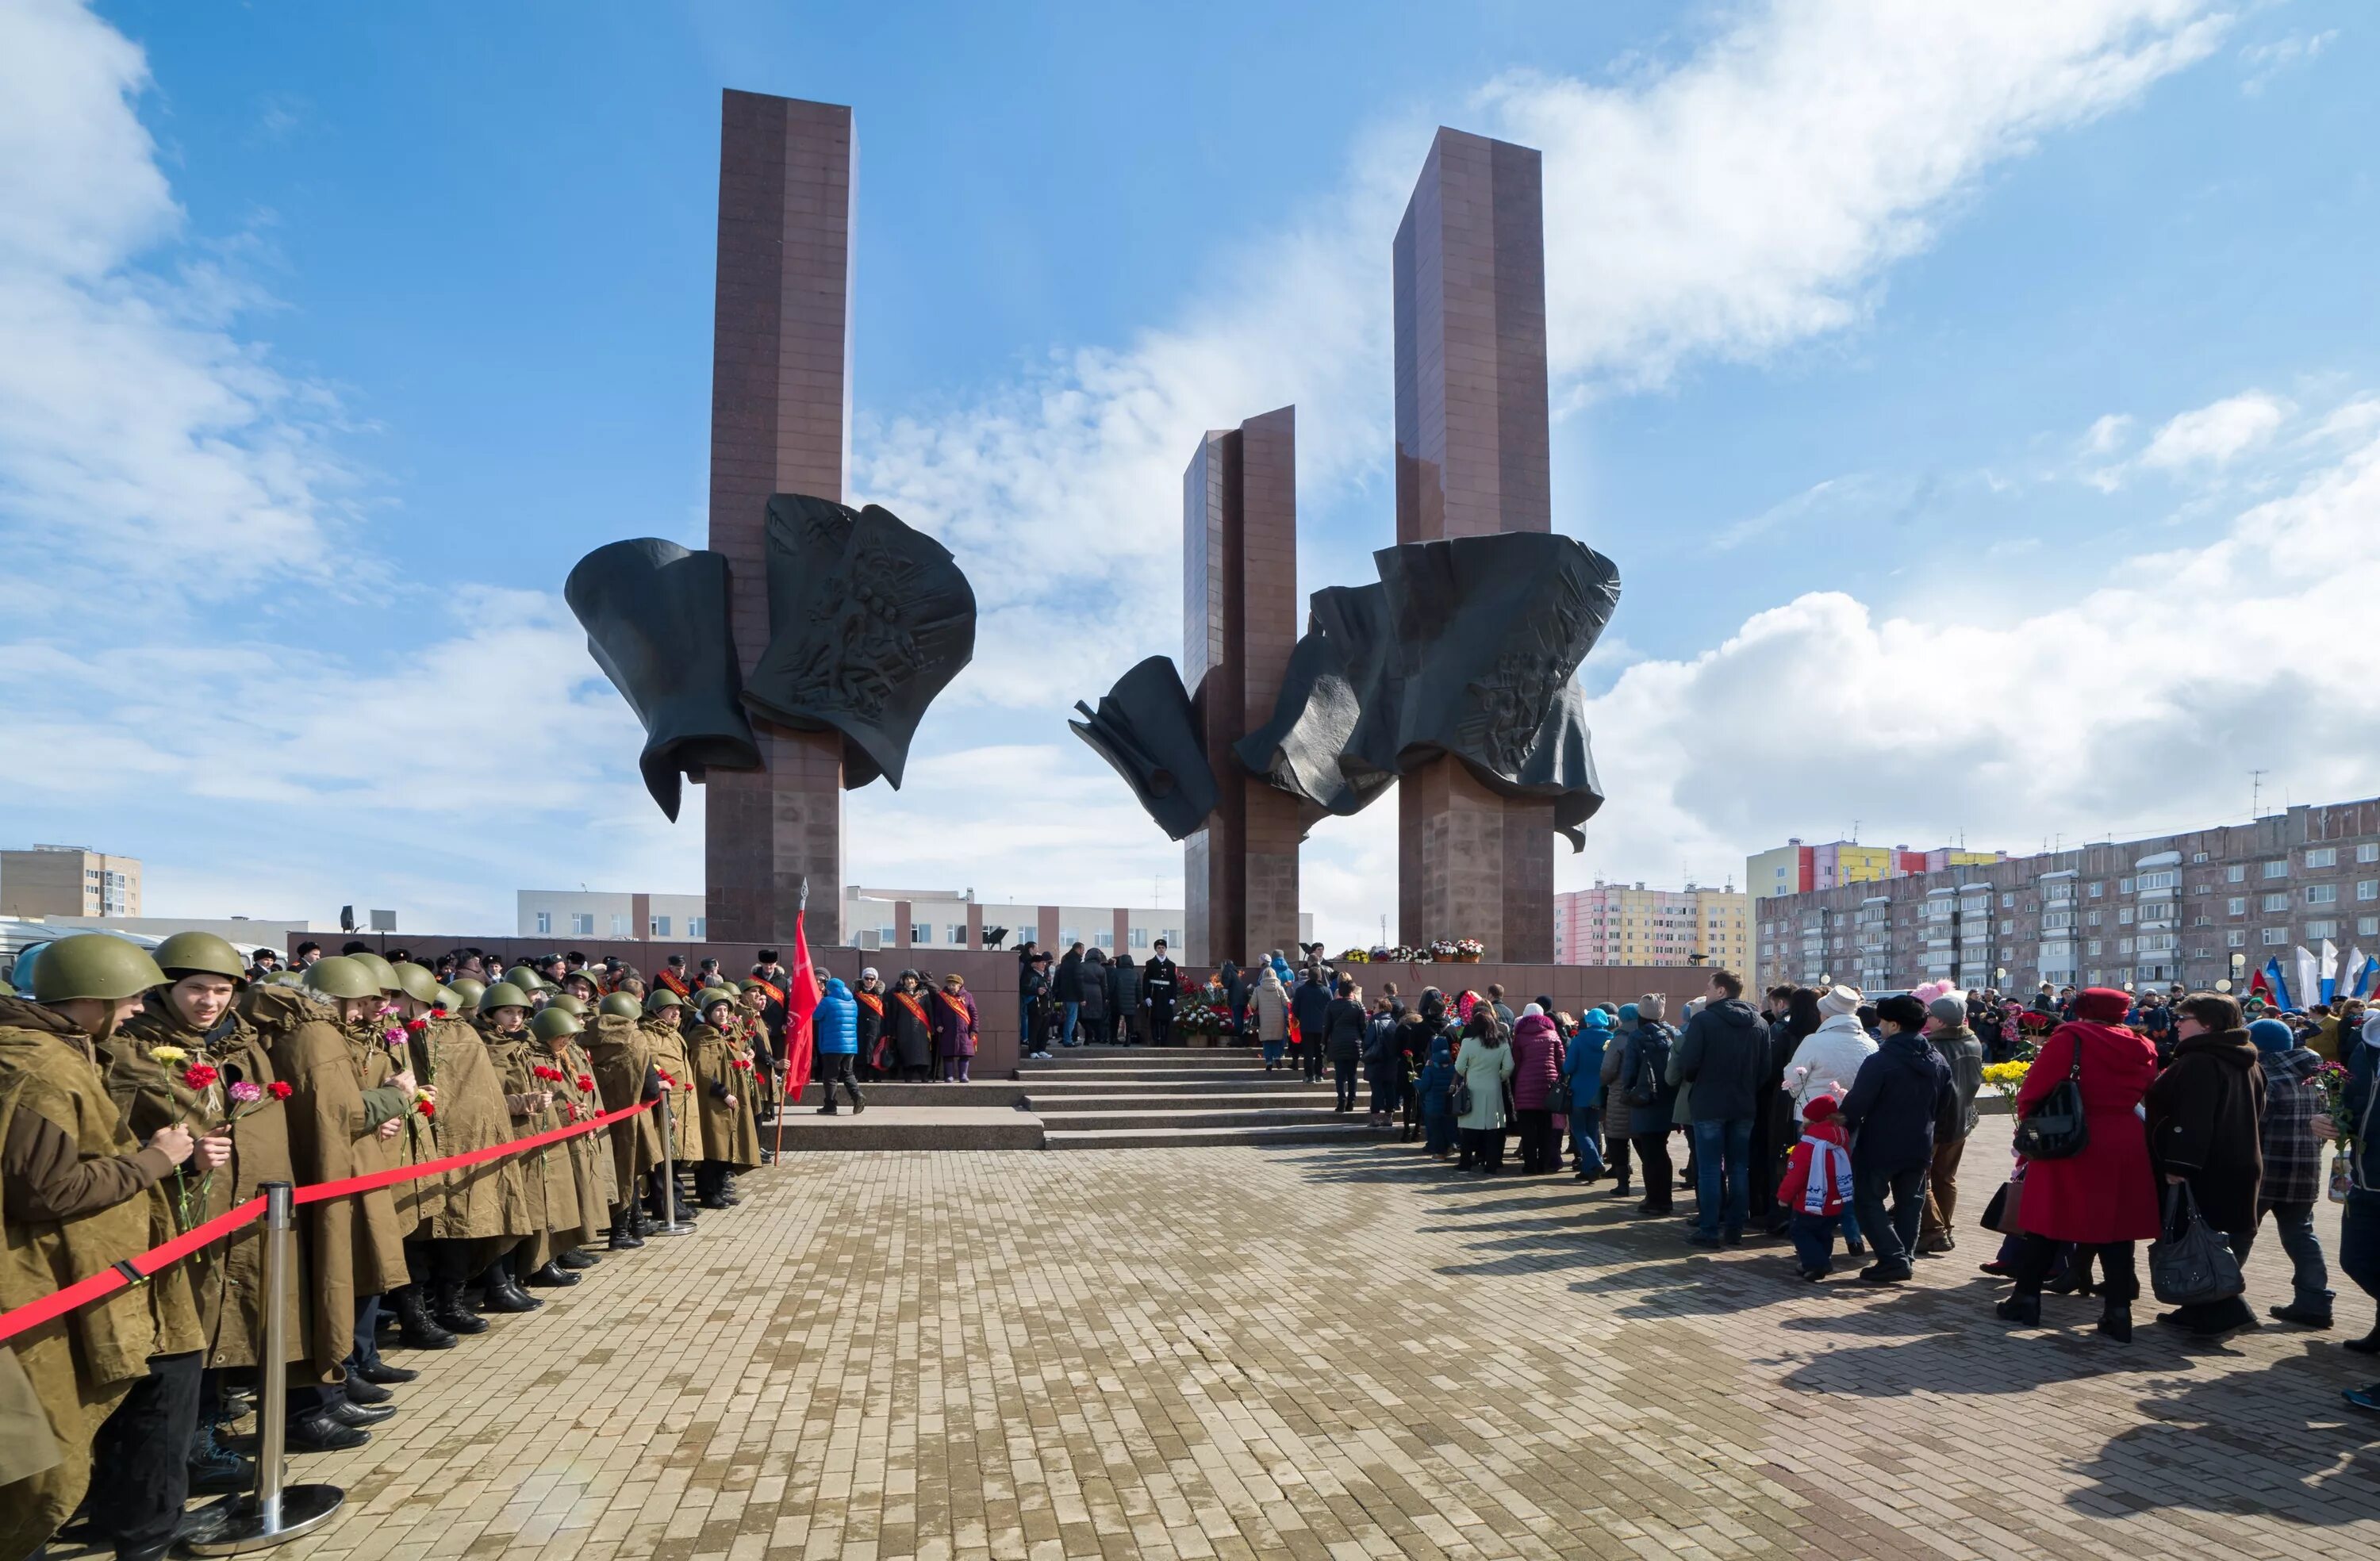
(2265, 61)
(2215, 435)
(2139, 708)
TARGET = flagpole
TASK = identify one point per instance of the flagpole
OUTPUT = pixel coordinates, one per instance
(801, 907)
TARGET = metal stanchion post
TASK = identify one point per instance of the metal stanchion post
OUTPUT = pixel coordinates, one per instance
(667, 1171)
(276, 1512)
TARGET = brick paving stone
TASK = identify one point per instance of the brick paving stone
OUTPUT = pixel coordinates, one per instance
(1333, 1353)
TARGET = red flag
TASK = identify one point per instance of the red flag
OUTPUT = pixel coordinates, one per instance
(801, 1002)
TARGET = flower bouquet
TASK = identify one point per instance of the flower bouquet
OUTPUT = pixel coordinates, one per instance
(1442, 951)
(1202, 1016)
(1469, 950)
(2331, 1079)
(2006, 1077)
(1354, 956)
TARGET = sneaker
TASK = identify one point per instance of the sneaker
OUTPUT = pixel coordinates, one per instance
(1885, 1274)
(2367, 1398)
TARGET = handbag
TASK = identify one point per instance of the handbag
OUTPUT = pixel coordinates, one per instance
(2004, 1213)
(2056, 1129)
(1462, 1098)
(2190, 1262)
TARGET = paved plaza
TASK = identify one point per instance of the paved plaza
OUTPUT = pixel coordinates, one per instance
(1339, 1352)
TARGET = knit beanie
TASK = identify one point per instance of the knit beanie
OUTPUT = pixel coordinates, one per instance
(1948, 1012)
(1595, 1018)
(2271, 1035)
(1818, 1108)
(1839, 1000)
(1628, 1015)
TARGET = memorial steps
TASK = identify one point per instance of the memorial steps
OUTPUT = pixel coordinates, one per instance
(1147, 1097)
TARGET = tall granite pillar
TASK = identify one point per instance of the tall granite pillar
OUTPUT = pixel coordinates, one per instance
(1473, 458)
(780, 423)
(1240, 620)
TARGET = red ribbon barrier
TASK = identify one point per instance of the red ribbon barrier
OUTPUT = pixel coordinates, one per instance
(109, 1281)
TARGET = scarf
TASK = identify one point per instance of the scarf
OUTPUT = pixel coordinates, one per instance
(1831, 1175)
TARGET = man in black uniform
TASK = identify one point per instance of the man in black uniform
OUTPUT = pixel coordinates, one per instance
(1160, 983)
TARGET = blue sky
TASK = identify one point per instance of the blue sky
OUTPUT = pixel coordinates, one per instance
(1908, 361)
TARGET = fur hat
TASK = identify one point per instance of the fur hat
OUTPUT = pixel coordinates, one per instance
(1837, 1001)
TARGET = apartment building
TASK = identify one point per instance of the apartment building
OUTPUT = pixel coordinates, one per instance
(1631, 925)
(2199, 907)
(68, 880)
(1796, 868)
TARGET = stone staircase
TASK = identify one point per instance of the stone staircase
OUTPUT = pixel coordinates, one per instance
(1147, 1097)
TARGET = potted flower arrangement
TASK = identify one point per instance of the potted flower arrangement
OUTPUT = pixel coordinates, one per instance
(1202, 1020)
(1355, 957)
(1441, 952)
(1469, 950)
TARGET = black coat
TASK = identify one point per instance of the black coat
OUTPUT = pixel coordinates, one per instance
(913, 1036)
(1724, 1054)
(1309, 1005)
(1344, 1023)
(871, 1025)
(1160, 983)
(1894, 1101)
(2206, 1116)
(1068, 986)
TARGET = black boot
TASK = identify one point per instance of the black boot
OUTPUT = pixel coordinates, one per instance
(578, 1257)
(2024, 1310)
(624, 1236)
(417, 1329)
(215, 1470)
(2116, 1319)
(551, 1276)
(448, 1312)
(502, 1294)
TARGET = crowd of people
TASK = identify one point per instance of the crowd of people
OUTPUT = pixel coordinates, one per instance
(143, 1094)
(1831, 1123)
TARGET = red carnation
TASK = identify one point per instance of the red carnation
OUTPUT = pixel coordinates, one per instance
(198, 1075)
(427, 1108)
(280, 1090)
(586, 1084)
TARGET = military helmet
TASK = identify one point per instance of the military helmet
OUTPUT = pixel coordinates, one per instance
(382, 972)
(504, 994)
(662, 998)
(552, 1024)
(450, 1000)
(416, 982)
(710, 995)
(286, 978)
(342, 975)
(569, 1003)
(200, 954)
(468, 988)
(525, 978)
(93, 965)
(618, 1005)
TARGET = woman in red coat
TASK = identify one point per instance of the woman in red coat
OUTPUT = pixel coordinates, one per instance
(2105, 1198)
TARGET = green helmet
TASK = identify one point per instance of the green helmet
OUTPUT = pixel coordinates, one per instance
(382, 972)
(416, 982)
(286, 978)
(552, 1024)
(468, 988)
(342, 975)
(618, 1005)
(196, 953)
(450, 1000)
(6, 990)
(93, 965)
(504, 994)
(662, 1000)
(710, 995)
(525, 978)
(569, 1003)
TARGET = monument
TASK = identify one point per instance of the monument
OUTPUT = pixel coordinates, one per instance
(1472, 459)
(1239, 623)
(795, 657)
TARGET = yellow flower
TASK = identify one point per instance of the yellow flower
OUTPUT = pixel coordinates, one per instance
(168, 1055)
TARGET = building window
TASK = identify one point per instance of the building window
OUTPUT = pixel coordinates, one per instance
(1140, 937)
(2321, 929)
(2008, 902)
(2368, 888)
(958, 934)
(1174, 938)
(697, 927)
(2275, 901)
(2322, 894)
(2158, 881)
(2280, 869)
(886, 937)
(2367, 926)
(619, 924)
(660, 928)
(921, 935)
(2236, 873)
(582, 924)
(2236, 938)
(2274, 937)
(2368, 851)
(2237, 905)
(2322, 856)
(2124, 886)
(2092, 949)
(2097, 891)
(2198, 856)
(544, 922)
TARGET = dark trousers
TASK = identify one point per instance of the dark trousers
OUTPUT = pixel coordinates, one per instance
(1722, 1174)
(1384, 1096)
(139, 1476)
(366, 1351)
(1438, 1127)
(1942, 1191)
(2120, 1280)
(1893, 1236)
(1653, 1158)
(836, 1068)
(1540, 1145)
(1483, 1148)
(1343, 1075)
(2358, 1241)
(1814, 1242)
(1313, 1060)
(1615, 1150)
(2307, 1274)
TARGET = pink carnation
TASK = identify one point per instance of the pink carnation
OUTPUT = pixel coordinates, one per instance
(246, 1093)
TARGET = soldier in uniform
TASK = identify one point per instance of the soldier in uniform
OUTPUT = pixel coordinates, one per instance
(623, 1055)
(468, 1113)
(118, 1380)
(503, 1028)
(567, 1075)
(730, 1140)
(665, 1021)
(1160, 986)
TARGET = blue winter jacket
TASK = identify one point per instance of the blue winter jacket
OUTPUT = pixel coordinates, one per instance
(1436, 1083)
(836, 1024)
(1584, 1066)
